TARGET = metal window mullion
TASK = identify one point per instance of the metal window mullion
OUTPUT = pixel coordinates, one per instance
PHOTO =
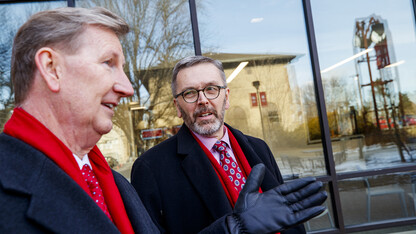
(414, 9)
(195, 30)
(323, 119)
(375, 172)
(381, 225)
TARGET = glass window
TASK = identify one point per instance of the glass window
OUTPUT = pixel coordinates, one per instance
(264, 49)
(366, 54)
(160, 35)
(378, 198)
(12, 16)
(403, 230)
(323, 221)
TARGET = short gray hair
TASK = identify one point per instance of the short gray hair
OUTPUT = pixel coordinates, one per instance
(191, 61)
(57, 28)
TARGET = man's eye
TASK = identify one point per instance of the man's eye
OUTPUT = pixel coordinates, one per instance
(108, 62)
(211, 89)
(189, 93)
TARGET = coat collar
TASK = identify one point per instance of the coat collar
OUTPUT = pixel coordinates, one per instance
(29, 172)
(202, 175)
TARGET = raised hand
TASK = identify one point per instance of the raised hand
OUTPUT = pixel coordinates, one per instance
(277, 209)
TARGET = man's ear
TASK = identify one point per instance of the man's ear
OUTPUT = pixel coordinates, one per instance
(46, 60)
(227, 100)
(178, 112)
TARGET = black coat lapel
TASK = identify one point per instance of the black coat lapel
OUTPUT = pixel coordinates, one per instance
(56, 202)
(59, 204)
(270, 180)
(202, 175)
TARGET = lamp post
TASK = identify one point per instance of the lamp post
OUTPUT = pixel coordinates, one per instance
(134, 106)
(256, 85)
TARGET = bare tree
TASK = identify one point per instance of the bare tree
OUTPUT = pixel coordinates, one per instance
(338, 98)
(160, 35)
(6, 88)
(9, 27)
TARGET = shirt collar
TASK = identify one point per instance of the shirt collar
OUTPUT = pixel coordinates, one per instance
(83, 161)
(210, 141)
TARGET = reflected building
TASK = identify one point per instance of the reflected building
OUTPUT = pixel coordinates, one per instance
(278, 101)
(317, 122)
(115, 147)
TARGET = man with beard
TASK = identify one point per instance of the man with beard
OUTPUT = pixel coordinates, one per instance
(195, 179)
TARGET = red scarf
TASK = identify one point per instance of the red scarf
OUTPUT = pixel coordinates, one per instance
(25, 127)
(227, 185)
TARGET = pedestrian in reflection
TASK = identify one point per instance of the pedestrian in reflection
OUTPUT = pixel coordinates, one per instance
(67, 71)
(199, 178)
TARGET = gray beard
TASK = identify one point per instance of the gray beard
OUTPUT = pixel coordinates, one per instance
(204, 128)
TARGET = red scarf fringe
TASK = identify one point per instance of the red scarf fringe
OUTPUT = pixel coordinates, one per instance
(25, 127)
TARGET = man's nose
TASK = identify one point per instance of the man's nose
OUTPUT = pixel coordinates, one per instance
(202, 100)
(123, 86)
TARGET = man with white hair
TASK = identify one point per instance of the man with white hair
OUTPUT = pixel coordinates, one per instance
(68, 76)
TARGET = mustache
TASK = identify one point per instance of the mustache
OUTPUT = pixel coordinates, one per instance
(205, 109)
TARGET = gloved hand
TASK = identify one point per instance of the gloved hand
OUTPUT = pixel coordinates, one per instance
(277, 209)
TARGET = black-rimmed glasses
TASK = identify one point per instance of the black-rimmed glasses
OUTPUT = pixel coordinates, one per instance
(192, 95)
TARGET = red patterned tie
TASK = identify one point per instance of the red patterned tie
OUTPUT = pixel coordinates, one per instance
(230, 166)
(97, 193)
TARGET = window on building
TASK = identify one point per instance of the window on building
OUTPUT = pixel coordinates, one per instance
(264, 49)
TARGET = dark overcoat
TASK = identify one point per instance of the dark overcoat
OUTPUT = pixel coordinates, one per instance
(180, 188)
(36, 196)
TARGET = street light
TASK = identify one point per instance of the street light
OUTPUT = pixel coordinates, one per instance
(256, 85)
(134, 106)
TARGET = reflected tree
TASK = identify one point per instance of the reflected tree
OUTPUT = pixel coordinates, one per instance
(8, 28)
(407, 104)
(160, 35)
(338, 99)
(6, 88)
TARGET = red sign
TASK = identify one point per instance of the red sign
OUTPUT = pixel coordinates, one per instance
(263, 99)
(152, 133)
(382, 55)
(253, 97)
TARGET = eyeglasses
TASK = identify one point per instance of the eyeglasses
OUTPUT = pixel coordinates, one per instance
(192, 95)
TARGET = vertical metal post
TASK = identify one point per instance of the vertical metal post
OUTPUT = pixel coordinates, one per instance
(256, 85)
(71, 3)
(323, 119)
(414, 8)
(195, 30)
(364, 32)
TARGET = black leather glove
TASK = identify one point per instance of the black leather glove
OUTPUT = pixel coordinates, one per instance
(277, 209)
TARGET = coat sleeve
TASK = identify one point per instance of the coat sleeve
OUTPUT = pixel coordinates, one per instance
(143, 177)
(138, 216)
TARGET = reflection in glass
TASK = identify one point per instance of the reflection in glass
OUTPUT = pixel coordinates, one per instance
(268, 73)
(160, 35)
(366, 54)
(377, 198)
(12, 16)
(323, 221)
(405, 229)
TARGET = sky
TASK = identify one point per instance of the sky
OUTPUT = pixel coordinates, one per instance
(278, 27)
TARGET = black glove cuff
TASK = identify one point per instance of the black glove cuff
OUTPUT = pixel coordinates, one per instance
(235, 224)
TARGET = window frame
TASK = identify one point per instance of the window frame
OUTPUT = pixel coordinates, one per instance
(332, 177)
